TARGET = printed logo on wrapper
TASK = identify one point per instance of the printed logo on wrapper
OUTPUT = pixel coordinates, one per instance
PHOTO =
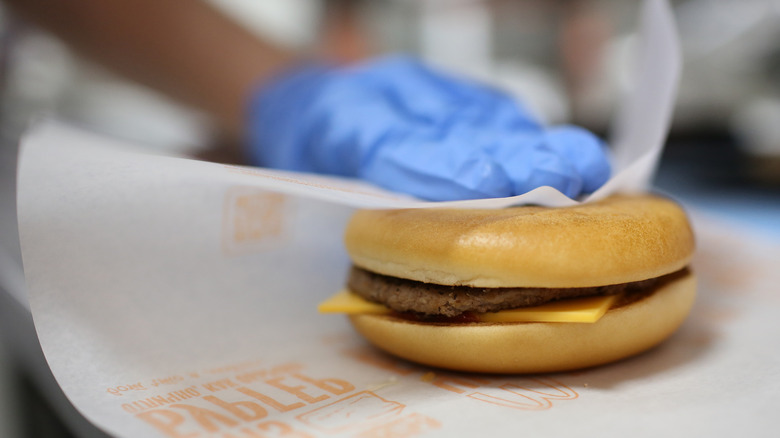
(250, 400)
(253, 220)
(376, 416)
(532, 393)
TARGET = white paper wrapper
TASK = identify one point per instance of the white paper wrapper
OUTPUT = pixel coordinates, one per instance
(176, 298)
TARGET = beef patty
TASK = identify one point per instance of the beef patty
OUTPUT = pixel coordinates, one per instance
(404, 295)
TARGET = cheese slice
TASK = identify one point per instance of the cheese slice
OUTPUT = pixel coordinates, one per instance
(347, 302)
(588, 310)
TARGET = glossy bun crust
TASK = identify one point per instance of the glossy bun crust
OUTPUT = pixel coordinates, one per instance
(617, 240)
(535, 347)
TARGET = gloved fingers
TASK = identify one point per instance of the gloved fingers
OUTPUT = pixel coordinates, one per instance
(436, 170)
(584, 150)
(468, 160)
(529, 164)
(490, 126)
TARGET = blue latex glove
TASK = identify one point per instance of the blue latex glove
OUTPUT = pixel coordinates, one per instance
(405, 127)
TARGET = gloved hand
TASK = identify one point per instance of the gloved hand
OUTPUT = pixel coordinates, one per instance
(405, 127)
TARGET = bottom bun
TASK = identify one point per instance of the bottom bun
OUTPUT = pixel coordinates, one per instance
(535, 347)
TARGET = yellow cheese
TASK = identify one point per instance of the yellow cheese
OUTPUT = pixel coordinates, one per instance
(349, 303)
(589, 309)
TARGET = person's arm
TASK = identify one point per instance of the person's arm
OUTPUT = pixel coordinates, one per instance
(184, 48)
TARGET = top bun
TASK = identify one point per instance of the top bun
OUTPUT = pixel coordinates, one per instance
(617, 240)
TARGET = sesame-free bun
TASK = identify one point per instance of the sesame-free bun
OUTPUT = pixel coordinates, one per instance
(617, 240)
(535, 347)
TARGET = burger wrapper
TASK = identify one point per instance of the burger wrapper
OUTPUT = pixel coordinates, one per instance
(176, 298)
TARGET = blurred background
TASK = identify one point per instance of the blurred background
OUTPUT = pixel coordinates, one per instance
(568, 60)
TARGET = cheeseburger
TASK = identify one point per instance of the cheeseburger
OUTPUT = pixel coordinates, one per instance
(520, 290)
